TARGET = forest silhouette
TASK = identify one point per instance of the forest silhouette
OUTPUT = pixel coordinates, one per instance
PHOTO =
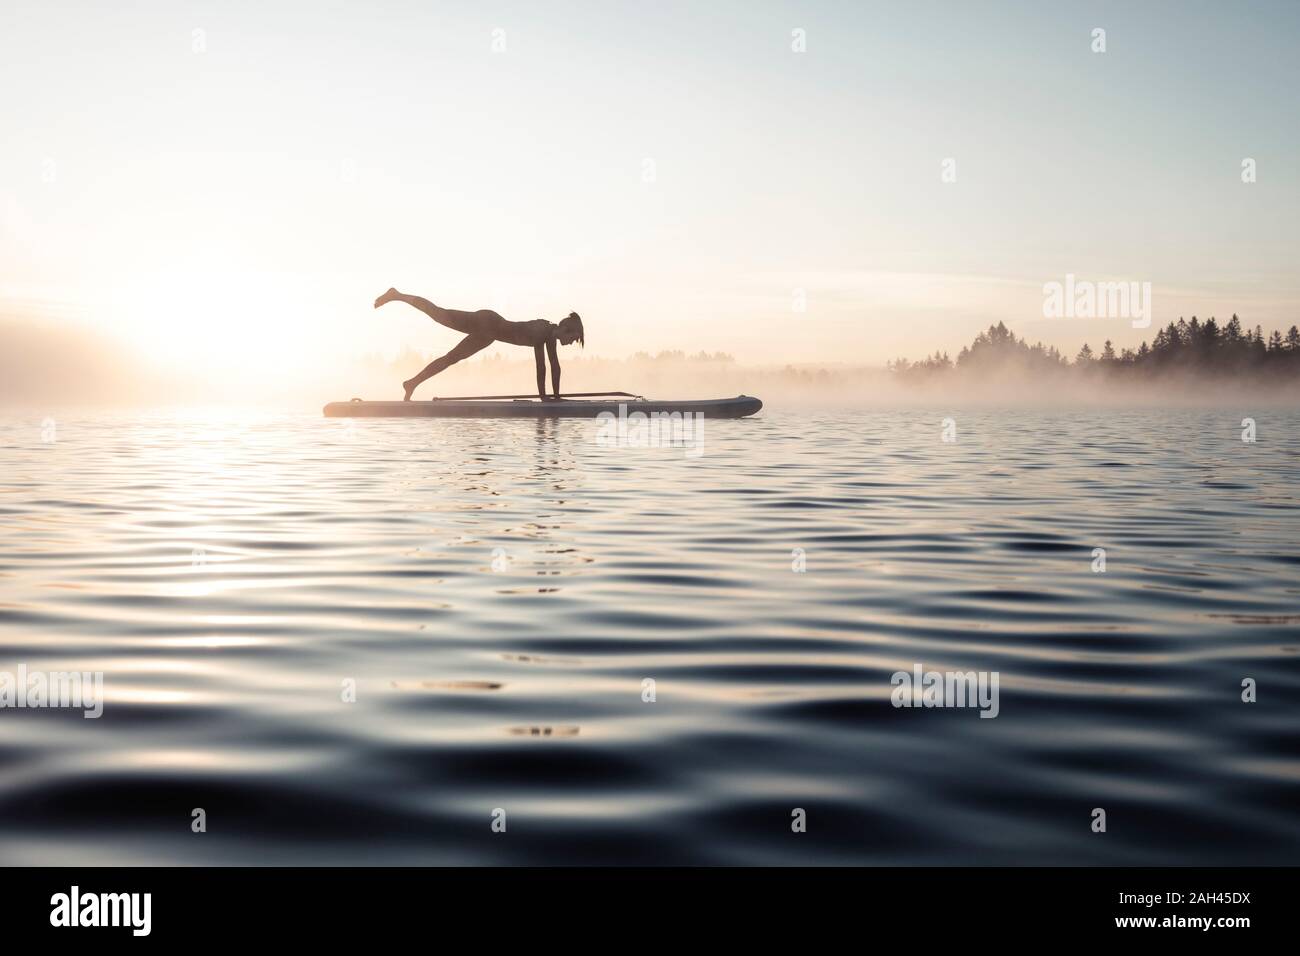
(1181, 348)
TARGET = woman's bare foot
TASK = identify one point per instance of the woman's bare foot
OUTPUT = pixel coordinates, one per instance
(409, 385)
(387, 297)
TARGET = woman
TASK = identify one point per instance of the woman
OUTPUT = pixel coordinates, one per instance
(484, 327)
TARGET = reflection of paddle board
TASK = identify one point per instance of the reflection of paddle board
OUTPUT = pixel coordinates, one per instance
(737, 407)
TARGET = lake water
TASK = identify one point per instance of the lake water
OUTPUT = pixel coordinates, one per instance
(499, 593)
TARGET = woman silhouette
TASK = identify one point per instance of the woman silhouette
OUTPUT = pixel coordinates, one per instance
(484, 327)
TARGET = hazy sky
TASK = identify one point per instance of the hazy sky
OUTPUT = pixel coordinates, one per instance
(237, 197)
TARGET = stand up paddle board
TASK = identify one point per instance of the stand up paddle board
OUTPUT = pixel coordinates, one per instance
(517, 406)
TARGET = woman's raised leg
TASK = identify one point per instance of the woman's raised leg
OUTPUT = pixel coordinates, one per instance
(466, 323)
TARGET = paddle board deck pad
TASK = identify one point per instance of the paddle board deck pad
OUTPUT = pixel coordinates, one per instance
(737, 407)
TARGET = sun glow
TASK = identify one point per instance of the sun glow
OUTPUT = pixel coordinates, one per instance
(245, 327)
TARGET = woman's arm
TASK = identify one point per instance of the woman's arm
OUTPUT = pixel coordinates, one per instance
(555, 366)
(540, 356)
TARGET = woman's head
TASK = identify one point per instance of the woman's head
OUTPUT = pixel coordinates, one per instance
(570, 330)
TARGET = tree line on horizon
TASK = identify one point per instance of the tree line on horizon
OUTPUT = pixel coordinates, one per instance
(1181, 347)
